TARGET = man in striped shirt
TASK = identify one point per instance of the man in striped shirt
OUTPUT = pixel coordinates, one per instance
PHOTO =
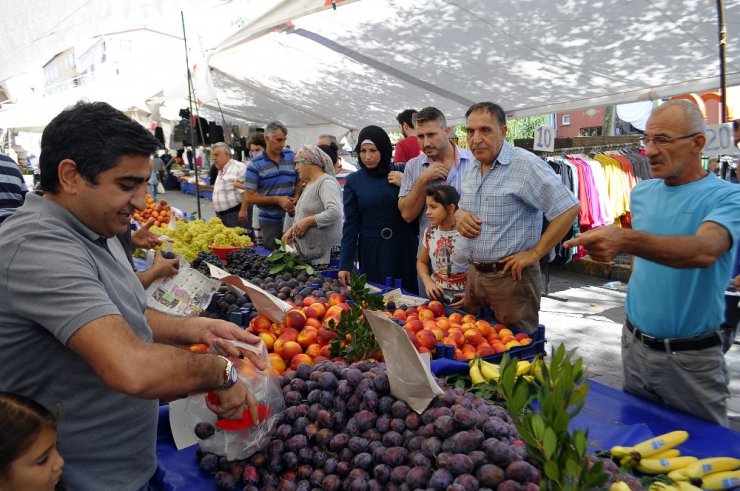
(229, 185)
(505, 193)
(12, 187)
(272, 183)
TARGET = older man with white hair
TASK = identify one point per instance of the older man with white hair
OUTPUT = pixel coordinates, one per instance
(684, 229)
(229, 186)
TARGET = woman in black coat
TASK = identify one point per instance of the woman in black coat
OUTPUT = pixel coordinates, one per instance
(373, 226)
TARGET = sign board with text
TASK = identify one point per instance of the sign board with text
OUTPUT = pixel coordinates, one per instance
(720, 140)
(544, 139)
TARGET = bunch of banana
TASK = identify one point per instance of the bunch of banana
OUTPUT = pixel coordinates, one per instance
(721, 480)
(655, 450)
(535, 369)
(483, 371)
(475, 375)
(711, 473)
(663, 466)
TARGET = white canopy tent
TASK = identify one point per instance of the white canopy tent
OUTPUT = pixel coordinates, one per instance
(326, 70)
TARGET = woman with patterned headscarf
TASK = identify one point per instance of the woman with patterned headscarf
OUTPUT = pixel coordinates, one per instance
(374, 229)
(318, 214)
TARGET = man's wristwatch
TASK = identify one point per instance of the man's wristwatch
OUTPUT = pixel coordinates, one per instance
(231, 374)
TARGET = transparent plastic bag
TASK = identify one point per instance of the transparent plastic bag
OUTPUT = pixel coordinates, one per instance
(242, 443)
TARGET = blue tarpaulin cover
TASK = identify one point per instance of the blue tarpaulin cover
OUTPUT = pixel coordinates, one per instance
(611, 416)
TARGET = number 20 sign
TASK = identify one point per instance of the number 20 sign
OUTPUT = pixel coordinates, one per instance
(720, 140)
(544, 139)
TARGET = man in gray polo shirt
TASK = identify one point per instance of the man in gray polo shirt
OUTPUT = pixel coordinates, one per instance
(76, 334)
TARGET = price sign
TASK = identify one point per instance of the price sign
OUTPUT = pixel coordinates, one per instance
(544, 139)
(720, 140)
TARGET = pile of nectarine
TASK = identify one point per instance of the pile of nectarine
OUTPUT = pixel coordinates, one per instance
(161, 212)
(303, 336)
(426, 325)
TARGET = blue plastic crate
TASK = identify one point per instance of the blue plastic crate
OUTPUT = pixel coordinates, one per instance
(450, 366)
(331, 274)
(188, 188)
(261, 251)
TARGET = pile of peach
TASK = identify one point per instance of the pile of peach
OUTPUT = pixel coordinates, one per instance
(427, 325)
(161, 212)
(302, 337)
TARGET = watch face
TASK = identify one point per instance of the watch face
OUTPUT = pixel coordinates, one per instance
(233, 375)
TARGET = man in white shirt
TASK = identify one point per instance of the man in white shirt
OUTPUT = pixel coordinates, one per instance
(229, 186)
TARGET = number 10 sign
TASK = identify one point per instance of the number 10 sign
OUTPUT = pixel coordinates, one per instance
(720, 140)
(544, 139)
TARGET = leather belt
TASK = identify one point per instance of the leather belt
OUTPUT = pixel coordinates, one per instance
(488, 267)
(677, 344)
(230, 210)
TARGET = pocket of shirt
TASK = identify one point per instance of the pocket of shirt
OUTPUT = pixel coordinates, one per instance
(500, 205)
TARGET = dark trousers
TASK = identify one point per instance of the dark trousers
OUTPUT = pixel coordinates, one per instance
(230, 217)
(270, 232)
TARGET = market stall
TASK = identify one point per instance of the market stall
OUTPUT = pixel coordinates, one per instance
(612, 417)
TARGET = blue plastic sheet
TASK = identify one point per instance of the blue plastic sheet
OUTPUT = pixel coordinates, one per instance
(611, 416)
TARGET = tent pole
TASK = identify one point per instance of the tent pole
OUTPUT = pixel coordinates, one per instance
(190, 99)
(223, 119)
(722, 44)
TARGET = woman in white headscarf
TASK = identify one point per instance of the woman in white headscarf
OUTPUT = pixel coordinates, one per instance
(319, 213)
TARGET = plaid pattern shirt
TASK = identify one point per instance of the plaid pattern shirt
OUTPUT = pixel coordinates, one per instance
(225, 195)
(417, 165)
(510, 201)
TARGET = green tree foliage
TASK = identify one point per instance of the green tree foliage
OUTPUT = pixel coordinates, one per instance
(517, 128)
(523, 127)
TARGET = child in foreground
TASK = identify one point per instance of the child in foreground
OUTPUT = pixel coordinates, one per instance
(28, 455)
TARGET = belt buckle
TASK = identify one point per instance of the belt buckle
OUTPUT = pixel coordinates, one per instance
(386, 233)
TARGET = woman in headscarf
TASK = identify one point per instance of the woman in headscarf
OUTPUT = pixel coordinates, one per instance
(373, 226)
(318, 214)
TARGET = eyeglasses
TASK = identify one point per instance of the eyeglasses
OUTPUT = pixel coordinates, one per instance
(662, 140)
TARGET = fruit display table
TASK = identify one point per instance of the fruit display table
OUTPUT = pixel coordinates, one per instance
(612, 417)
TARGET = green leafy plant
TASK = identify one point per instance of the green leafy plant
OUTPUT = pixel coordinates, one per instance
(287, 261)
(559, 396)
(355, 339)
(486, 390)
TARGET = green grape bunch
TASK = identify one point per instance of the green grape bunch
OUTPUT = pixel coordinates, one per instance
(190, 238)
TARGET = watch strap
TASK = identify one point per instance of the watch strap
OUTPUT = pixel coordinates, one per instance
(230, 374)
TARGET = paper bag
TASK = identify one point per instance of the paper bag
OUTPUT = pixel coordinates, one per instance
(410, 378)
(266, 304)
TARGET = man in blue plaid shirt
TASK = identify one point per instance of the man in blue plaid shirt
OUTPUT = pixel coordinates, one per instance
(505, 193)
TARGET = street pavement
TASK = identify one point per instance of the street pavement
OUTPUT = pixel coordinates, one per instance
(584, 312)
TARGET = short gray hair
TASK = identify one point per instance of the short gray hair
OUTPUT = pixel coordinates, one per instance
(693, 117)
(272, 127)
(429, 114)
(221, 146)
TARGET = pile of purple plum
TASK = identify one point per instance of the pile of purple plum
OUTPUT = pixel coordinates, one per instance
(343, 430)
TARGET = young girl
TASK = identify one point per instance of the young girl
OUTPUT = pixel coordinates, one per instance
(28, 438)
(444, 247)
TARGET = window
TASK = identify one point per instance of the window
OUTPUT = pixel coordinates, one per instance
(565, 121)
(592, 131)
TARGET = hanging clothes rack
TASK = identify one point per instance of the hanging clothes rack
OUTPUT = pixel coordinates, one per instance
(569, 146)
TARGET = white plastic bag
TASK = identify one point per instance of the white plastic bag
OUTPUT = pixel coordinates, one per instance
(240, 444)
